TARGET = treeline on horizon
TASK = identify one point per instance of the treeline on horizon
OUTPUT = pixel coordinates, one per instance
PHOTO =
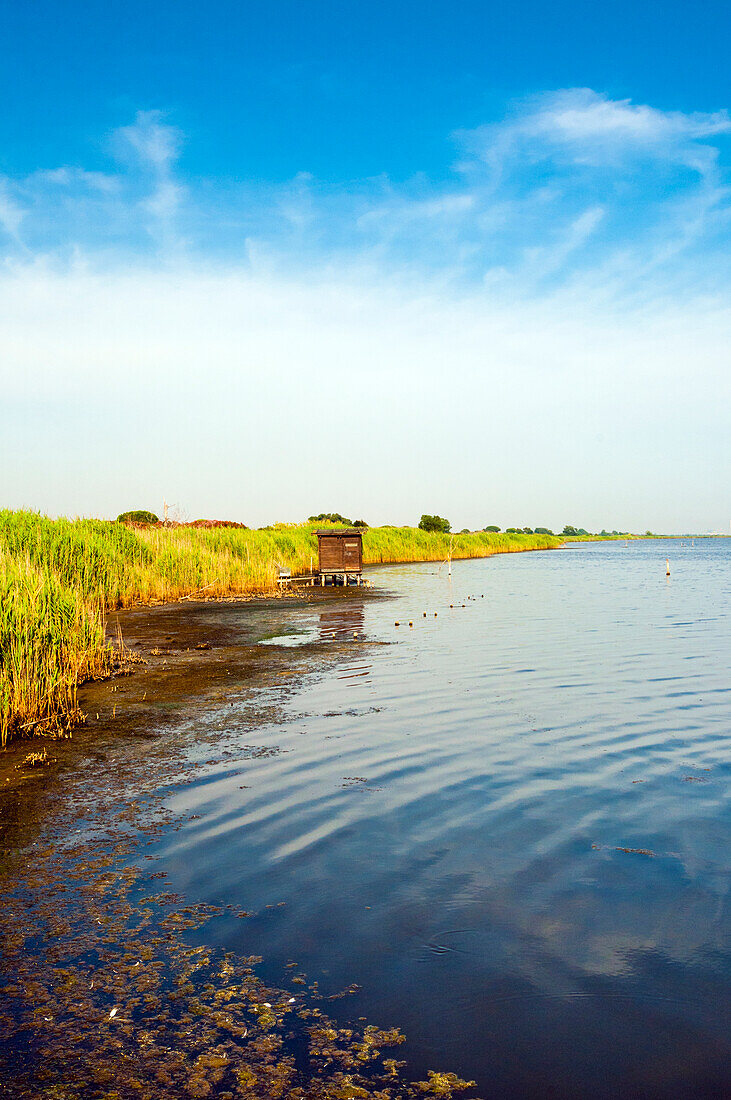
(432, 523)
(60, 578)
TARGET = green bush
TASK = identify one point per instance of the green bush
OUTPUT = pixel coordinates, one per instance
(138, 516)
(493, 530)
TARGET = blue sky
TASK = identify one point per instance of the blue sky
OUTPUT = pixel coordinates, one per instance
(492, 239)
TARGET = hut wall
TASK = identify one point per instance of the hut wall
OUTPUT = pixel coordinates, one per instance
(331, 555)
(340, 553)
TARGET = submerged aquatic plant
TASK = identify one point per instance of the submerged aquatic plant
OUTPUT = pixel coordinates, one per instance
(109, 988)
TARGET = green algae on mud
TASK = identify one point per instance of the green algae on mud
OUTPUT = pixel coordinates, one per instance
(107, 985)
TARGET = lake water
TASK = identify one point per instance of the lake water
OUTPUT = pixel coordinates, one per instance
(509, 825)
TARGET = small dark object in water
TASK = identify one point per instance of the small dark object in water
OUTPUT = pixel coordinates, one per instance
(203, 645)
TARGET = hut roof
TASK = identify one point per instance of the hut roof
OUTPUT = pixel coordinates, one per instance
(341, 533)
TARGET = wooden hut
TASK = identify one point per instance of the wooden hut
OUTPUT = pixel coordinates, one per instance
(340, 556)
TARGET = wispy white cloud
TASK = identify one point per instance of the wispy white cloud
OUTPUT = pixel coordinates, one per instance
(569, 185)
(545, 260)
(152, 147)
(401, 210)
(73, 177)
(150, 141)
(11, 214)
(588, 128)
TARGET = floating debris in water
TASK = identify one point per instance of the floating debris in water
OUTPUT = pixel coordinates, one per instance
(634, 851)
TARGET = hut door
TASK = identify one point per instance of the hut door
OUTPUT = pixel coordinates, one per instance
(351, 555)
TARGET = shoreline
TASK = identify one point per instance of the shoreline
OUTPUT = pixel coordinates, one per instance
(60, 580)
(176, 653)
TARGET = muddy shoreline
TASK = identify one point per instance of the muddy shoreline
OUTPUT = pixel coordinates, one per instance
(107, 985)
(178, 653)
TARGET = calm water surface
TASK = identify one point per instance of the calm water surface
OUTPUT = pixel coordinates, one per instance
(509, 825)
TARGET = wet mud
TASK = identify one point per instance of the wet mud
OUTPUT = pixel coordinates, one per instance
(108, 987)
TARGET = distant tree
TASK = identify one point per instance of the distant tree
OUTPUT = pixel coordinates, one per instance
(330, 517)
(527, 531)
(582, 531)
(494, 530)
(359, 523)
(465, 531)
(138, 516)
(543, 531)
(435, 523)
(569, 530)
(513, 531)
(649, 534)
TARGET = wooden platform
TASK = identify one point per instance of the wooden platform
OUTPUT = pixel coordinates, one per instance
(311, 580)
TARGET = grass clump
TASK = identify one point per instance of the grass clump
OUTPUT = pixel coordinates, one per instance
(50, 640)
(59, 578)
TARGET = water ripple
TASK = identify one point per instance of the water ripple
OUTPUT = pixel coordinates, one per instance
(510, 826)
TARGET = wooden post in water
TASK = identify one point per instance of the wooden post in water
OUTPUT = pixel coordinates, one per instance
(667, 567)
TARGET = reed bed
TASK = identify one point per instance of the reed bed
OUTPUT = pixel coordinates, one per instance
(402, 544)
(60, 578)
